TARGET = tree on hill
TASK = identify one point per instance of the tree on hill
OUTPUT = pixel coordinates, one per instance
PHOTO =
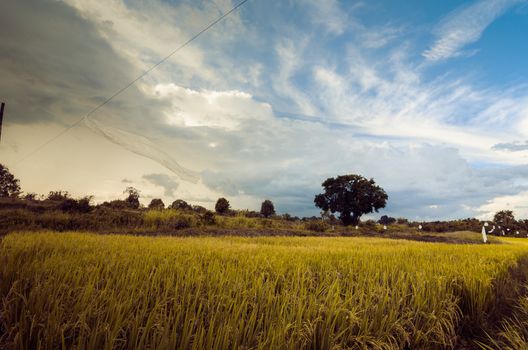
(504, 219)
(267, 208)
(351, 196)
(222, 206)
(133, 197)
(9, 185)
(156, 204)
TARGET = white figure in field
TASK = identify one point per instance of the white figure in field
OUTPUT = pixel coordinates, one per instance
(484, 236)
(419, 227)
(357, 227)
(384, 227)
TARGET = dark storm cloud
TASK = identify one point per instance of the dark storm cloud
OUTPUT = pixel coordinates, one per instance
(54, 64)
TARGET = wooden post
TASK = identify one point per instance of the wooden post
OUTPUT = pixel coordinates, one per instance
(1, 118)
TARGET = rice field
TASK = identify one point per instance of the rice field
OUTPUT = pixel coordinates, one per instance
(82, 290)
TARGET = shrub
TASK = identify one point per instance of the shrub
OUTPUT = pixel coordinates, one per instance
(208, 218)
(199, 209)
(180, 204)
(250, 213)
(402, 221)
(316, 225)
(31, 196)
(386, 220)
(79, 206)
(181, 222)
(156, 204)
(58, 195)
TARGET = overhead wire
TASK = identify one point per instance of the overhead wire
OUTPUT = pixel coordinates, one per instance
(120, 91)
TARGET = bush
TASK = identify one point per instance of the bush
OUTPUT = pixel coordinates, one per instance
(156, 204)
(31, 196)
(117, 204)
(266, 223)
(181, 222)
(386, 220)
(58, 195)
(208, 218)
(402, 221)
(180, 204)
(199, 209)
(71, 205)
(316, 225)
(249, 213)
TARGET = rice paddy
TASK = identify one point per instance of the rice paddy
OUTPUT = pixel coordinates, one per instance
(82, 290)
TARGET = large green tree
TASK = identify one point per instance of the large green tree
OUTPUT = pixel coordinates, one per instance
(351, 196)
(9, 185)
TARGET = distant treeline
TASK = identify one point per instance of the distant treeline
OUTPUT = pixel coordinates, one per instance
(58, 211)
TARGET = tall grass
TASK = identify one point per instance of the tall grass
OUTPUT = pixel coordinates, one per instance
(74, 290)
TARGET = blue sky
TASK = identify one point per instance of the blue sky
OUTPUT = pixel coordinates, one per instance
(430, 98)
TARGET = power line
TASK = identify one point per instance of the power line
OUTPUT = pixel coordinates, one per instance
(120, 91)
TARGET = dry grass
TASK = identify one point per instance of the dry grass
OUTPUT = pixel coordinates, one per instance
(75, 290)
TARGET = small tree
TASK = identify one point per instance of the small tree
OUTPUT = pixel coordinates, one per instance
(156, 204)
(504, 219)
(267, 208)
(222, 206)
(351, 196)
(9, 185)
(133, 197)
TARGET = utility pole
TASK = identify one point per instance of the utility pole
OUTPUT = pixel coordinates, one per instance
(1, 118)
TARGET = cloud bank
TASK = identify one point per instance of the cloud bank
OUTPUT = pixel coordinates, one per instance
(264, 105)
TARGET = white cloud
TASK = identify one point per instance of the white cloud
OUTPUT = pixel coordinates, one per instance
(214, 109)
(389, 98)
(518, 203)
(291, 58)
(465, 26)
